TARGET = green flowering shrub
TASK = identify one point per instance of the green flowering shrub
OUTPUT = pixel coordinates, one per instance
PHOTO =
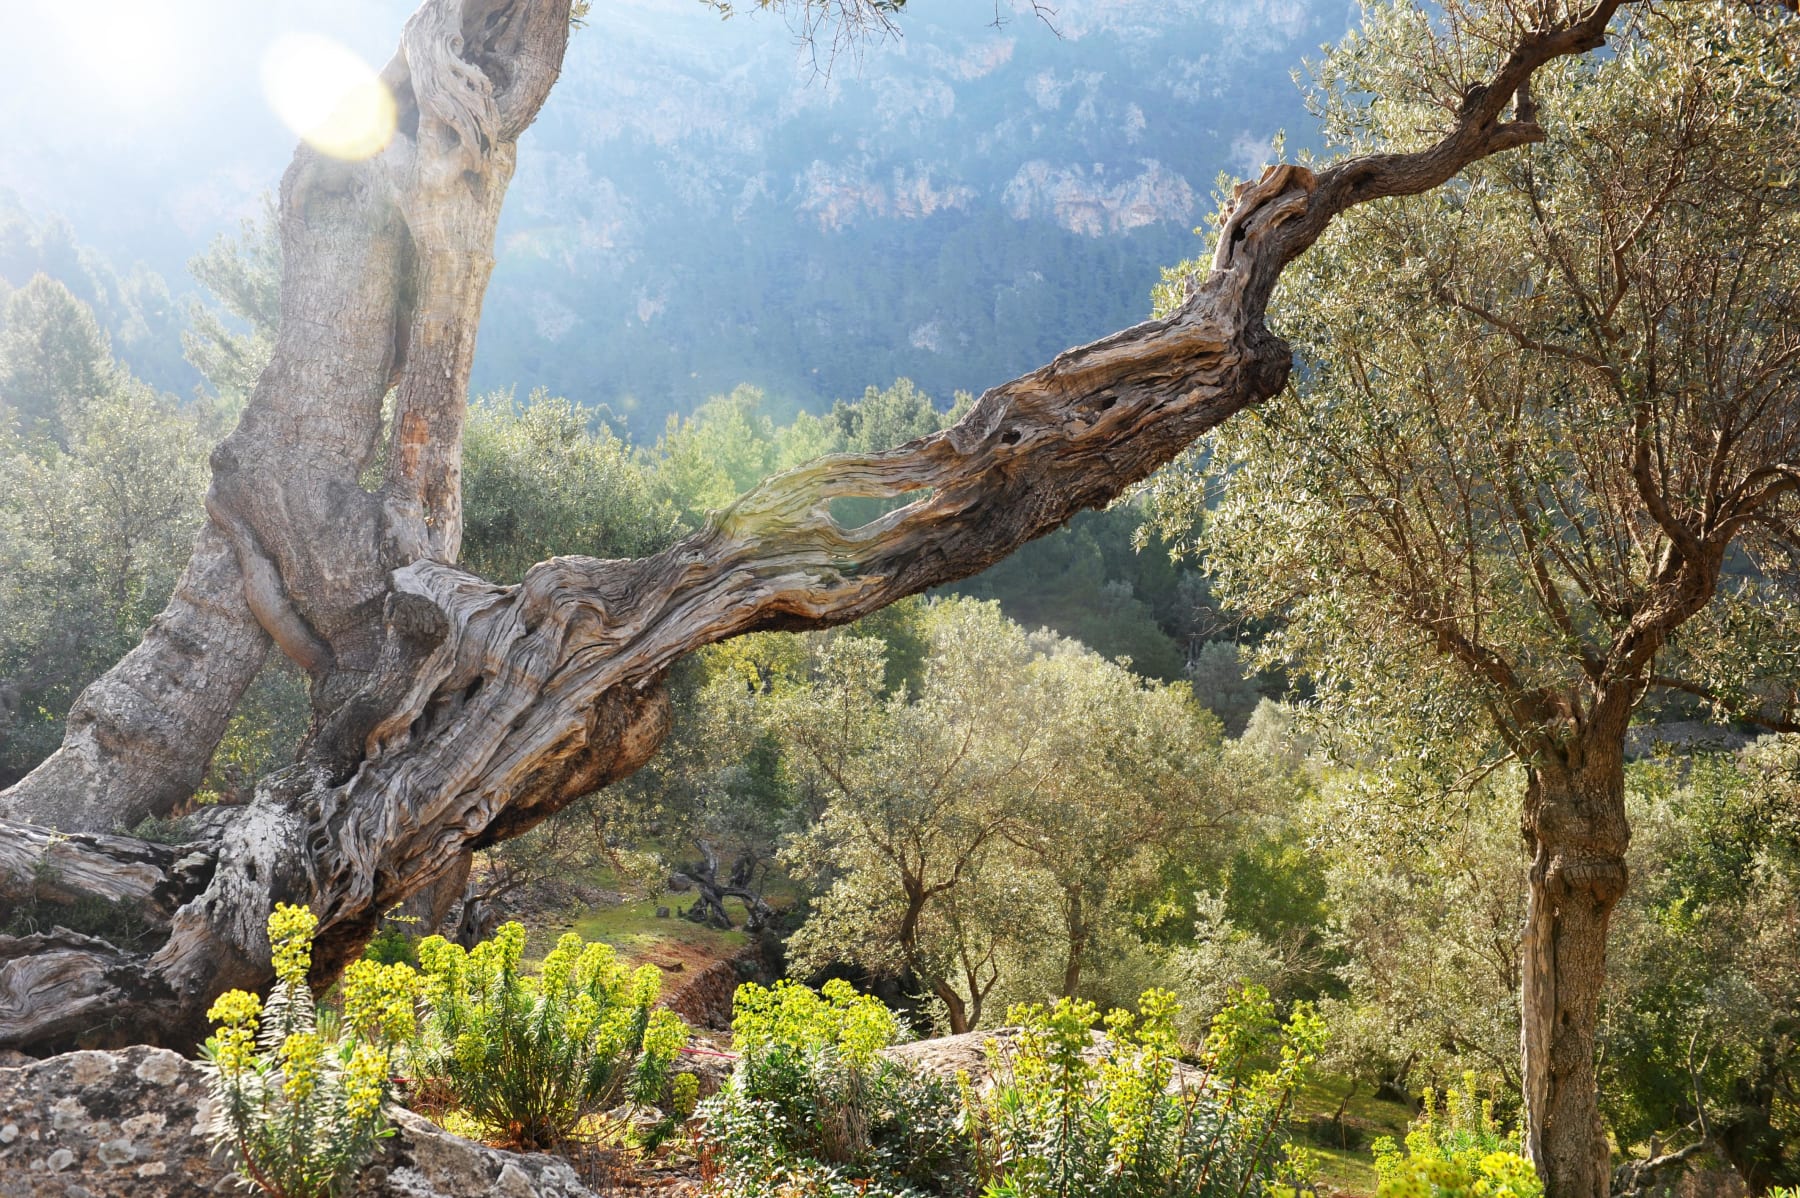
(530, 1057)
(392, 946)
(1070, 1114)
(298, 1109)
(813, 1108)
(1462, 1155)
(684, 1095)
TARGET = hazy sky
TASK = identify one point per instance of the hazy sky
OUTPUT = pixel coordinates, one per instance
(109, 105)
(158, 73)
(117, 105)
(145, 122)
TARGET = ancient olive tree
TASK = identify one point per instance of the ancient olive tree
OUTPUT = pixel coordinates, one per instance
(1546, 459)
(451, 713)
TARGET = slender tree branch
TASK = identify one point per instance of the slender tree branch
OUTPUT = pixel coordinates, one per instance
(1768, 723)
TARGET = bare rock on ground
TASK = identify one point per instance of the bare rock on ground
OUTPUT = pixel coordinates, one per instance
(946, 1056)
(703, 1000)
(710, 1060)
(132, 1124)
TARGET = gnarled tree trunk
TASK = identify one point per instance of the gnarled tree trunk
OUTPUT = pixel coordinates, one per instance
(137, 741)
(451, 713)
(1575, 825)
(709, 904)
(956, 1011)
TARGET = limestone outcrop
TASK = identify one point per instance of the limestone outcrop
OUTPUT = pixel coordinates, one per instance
(132, 1124)
(948, 1056)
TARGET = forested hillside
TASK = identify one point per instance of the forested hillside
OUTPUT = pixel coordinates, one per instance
(736, 703)
(703, 206)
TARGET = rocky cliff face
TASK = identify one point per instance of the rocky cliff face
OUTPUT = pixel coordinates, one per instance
(707, 202)
(1095, 205)
(801, 229)
(132, 1124)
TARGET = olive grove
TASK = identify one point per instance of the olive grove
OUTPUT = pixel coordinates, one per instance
(450, 713)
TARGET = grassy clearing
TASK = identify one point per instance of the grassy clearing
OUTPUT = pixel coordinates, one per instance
(632, 927)
(1348, 1170)
(1345, 1171)
(634, 930)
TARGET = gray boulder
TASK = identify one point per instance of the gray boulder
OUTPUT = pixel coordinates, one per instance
(947, 1056)
(132, 1124)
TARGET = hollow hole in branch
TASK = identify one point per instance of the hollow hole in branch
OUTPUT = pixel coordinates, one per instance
(852, 512)
(374, 474)
(1011, 436)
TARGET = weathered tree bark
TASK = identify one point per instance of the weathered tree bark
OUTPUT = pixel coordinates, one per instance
(138, 740)
(1575, 826)
(1574, 822)
(450, 713)
(385, 262)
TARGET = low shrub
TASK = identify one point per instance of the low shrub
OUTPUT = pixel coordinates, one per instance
(1069, 1113)
(684, 1095)
(392, 946)
(1462, 1154)
(530, 1057)
(297, 1100)
(813, 1108)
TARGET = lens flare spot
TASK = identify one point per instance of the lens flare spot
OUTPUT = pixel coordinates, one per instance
(327, 95)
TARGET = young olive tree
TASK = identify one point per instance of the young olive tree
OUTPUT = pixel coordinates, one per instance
(1129, 778)
(908, 850)
(449, 713)
(1544, 459)
(998, 823)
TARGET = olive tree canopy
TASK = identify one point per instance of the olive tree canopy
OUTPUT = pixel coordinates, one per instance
(1544, 458)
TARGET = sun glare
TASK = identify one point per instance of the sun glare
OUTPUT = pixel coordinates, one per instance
(125, 52)
(330, 97)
